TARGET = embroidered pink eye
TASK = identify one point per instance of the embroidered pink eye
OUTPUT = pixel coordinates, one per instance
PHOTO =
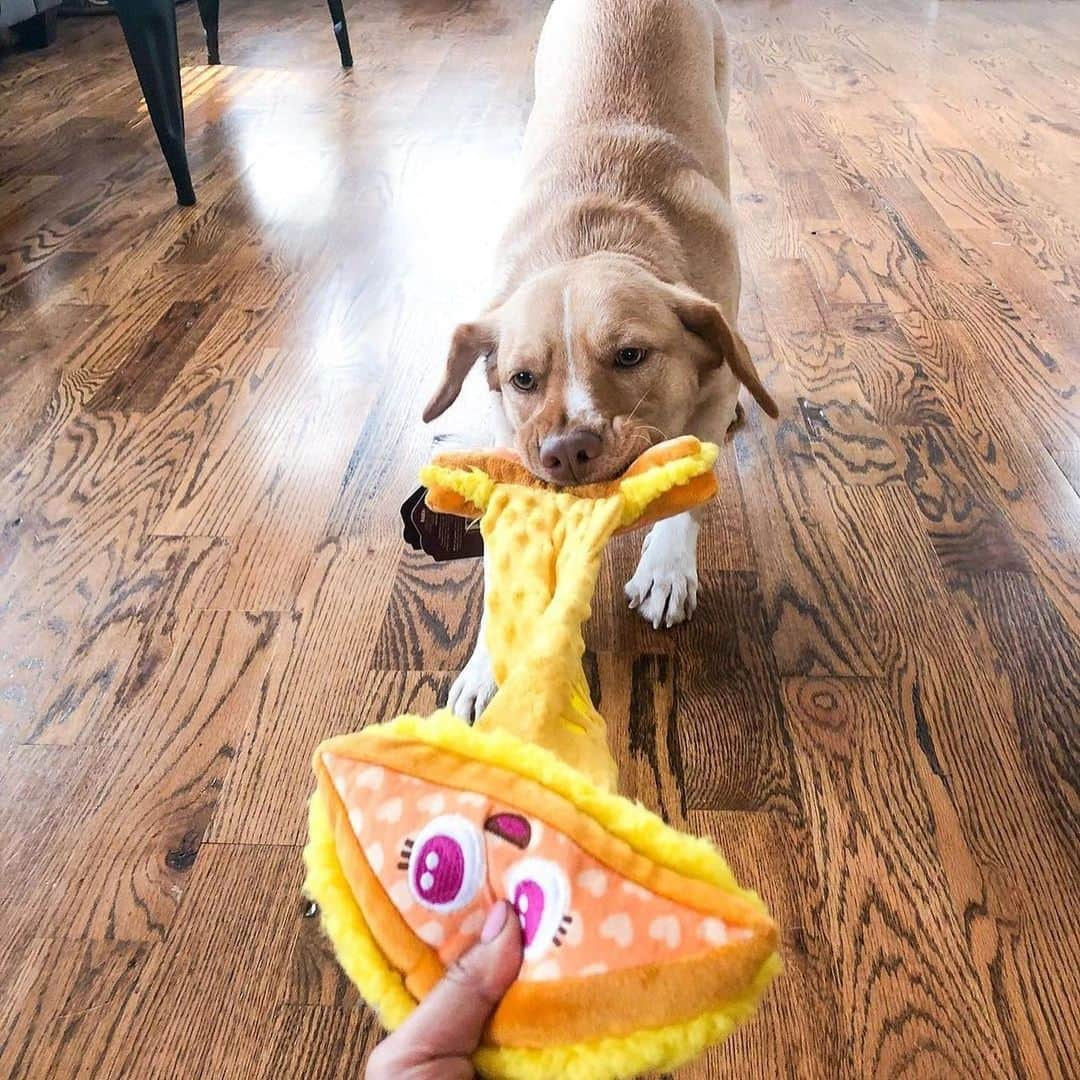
(540, 893)
(529, 904)
(446, 863)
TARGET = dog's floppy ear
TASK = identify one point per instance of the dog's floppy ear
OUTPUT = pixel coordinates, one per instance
(470, 341)
(706, 320)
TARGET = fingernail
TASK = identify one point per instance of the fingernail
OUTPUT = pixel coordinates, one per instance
(493, 924)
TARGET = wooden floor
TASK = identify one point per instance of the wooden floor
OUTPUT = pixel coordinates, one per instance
(208, 419)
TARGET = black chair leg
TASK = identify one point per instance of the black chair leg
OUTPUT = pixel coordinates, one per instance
(341, 30)
(208, 14)
(150, 31)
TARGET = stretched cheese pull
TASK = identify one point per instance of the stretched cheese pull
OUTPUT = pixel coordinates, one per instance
(542, 555)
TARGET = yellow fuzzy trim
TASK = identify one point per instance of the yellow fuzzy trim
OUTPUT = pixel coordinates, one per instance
(640, 490)
(473, 484)
(614, 1056)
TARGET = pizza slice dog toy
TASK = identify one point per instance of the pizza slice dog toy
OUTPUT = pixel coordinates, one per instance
(640, 947)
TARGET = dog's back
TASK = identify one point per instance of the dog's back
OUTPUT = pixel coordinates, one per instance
(660, 65)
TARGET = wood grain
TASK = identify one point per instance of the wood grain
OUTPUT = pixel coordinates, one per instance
(895, 935)
(209, 418)
(797, 1032)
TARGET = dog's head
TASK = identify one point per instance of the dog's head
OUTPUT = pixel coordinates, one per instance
(596, 360)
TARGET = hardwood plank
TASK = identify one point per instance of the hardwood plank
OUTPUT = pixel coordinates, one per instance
(1041, 660)
(797, 1031)
(315, 977)
(815, 614)
(433, 616)
(70, 995)
(32, 364)
(1006, 860)
(1010, 467)
(887, 906)
(143, 381)
(124, 640)
(849, 444)
(320, 684)
(637, 696)
(1045, 388)
(34, 250)
(124, 878)
(1068, 461)
(188, 1014)
(736, 752)
(1031, 293)
(970, 468)
(314, 1041)
(19, 189)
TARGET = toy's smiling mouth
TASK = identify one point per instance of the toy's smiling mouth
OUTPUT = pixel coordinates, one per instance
(512, 828)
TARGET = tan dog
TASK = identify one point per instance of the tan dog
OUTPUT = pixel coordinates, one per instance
(613, 320)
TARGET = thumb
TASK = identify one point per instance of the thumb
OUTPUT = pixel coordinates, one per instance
(450, 1021)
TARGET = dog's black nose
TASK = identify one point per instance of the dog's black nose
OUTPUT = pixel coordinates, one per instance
(565, 457)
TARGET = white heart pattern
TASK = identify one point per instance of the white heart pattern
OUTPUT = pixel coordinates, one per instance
(390, 810)
(432, 804)
(371, 777)
(401, 894)
(593, 881)
(356, 821)
(631, 888)
(593, 969)
(473, 923)
(666, 928)
(713, 931)
(432, 933)
(618, 928)
(374, 853)
(545, 972)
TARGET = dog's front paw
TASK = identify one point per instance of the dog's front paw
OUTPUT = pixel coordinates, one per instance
(664, 587)
(474, 687)
(663, 595)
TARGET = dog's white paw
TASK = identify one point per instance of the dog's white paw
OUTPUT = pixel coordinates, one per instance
(663, 595)
(474, 687)
(664, 587)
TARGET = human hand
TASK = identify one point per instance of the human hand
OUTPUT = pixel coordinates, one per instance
(438, 1039)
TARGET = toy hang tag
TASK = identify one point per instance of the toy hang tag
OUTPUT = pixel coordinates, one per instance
(442, 536)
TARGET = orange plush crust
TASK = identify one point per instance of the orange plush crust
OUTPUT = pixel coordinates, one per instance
(536, 1012)
(505, 467)
(622, 1002)
(445, 501)
(686, 496)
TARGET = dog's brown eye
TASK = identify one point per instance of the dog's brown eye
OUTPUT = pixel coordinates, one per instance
(524, 380)
(629, 357)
